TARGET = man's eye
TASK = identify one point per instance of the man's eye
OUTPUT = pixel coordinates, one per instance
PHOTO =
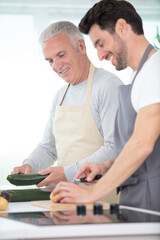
(61, 55)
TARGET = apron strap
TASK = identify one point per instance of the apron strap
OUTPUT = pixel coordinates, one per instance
(89, 86)
(64, 94)
(143, 60)
(89, 83)
(133, 180)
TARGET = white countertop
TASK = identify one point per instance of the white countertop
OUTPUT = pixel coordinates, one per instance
(11, 229)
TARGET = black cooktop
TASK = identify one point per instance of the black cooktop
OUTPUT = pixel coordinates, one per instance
(116, 214)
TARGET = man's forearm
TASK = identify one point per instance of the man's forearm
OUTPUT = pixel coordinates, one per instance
(40, 159)
(128, 161)
(135, 151)
(108, 164)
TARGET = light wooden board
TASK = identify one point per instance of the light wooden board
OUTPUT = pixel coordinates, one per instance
(61, 206)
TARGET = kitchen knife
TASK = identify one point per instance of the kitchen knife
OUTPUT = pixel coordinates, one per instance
(83, 180)
(76, 181)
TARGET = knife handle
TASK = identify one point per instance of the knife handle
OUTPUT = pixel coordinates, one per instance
(97, 177)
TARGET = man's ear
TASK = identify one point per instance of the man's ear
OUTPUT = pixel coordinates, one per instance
(121, 27)
(82, 46)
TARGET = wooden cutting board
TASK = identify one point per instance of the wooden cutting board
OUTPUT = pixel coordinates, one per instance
(64, 206)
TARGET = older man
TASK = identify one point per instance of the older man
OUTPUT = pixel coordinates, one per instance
(116, 31)
(81, 123)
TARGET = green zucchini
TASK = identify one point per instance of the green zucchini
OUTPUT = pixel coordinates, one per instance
(19, 179)
(23, 195)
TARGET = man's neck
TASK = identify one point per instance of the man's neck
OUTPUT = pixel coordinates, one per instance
(137, 49)
(85, 70)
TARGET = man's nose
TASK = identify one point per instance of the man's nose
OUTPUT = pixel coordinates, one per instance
(101, 54)
(56, 65)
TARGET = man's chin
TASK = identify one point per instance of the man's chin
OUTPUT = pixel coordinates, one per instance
(119, 68)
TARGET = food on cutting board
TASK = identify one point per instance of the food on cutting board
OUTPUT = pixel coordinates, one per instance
(4, 199)
(53, 197)
(20, 179)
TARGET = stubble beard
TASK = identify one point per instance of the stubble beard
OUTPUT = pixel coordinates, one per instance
(121, 54)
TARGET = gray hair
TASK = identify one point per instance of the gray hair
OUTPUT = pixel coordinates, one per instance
(65, 27)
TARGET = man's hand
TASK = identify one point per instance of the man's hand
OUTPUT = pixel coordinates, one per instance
(90, 170)
(25, 169)
(71, 193)
(56, 174)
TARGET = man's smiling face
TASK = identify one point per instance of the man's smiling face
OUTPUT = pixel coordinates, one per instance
(63, 57)
(109, 47)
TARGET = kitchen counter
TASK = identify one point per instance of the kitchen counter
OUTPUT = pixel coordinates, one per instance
(75, 229)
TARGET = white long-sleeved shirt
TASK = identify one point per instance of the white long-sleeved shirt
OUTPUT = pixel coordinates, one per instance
(104, 103)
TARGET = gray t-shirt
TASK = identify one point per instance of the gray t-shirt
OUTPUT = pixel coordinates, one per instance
(104, 102)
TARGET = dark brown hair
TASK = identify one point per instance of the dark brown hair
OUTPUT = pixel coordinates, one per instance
(106, 13)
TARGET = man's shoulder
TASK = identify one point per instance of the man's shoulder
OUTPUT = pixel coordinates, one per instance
(105, 78)
(151, 67)
(154, 60)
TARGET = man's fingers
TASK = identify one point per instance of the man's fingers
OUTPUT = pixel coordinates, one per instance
(45, 171)
(67, 200)
(79, 174)
(49, 180)
(82, 171)
(64, 197)
(64, 192)
(92, 175)
(41, 184)
(16, 170)
(62, 186)
(27, 171)
(60, 196)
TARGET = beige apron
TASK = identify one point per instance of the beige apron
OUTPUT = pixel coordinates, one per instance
(76, 134)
